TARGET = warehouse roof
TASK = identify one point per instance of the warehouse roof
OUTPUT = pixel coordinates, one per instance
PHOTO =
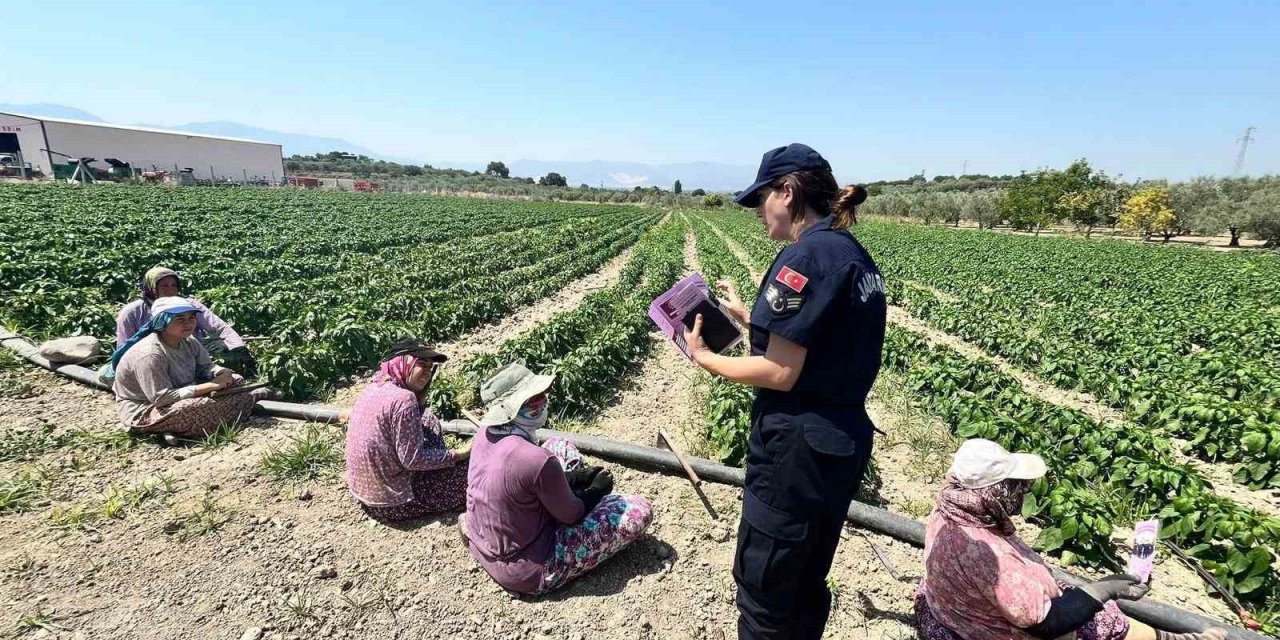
(125, 127)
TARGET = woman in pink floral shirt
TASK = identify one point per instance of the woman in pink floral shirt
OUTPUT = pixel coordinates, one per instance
(398, 467)
(984, 583)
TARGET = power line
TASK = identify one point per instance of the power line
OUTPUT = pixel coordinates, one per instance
(1244, 146)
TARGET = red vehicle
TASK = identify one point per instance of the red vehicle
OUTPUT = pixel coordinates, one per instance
(364, 185)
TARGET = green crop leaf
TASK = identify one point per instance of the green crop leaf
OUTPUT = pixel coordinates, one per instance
(1248, 585)
(1050, 539)
(1254, 442)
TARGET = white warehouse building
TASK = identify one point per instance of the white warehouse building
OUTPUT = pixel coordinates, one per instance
(43, 142)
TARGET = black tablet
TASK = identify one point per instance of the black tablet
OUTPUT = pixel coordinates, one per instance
(718, 331)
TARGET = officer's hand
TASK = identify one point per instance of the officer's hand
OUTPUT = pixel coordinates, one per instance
(732, 302)
(693, 339)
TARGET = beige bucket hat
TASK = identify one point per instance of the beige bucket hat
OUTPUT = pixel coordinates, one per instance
(508, 390)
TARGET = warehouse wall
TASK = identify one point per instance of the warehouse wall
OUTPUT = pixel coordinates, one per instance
(29, 139)
(145, 150)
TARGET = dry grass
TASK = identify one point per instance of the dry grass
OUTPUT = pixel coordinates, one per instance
(929, 441)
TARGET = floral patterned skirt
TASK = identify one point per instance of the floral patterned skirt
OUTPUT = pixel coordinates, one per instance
(616, 522)
(1108, 624)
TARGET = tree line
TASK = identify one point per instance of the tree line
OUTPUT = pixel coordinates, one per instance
(1088, 199)
(496, 179)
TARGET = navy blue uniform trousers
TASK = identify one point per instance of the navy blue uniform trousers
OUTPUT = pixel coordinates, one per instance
(803, 468)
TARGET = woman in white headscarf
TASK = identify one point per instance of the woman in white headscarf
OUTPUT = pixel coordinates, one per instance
(164, 377)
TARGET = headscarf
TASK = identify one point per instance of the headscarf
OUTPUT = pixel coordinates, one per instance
(151, 278)
(395, 370)
(990, 507)
(163, 311)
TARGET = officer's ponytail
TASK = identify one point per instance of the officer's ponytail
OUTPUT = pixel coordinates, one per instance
(845, 208)
(818, 189)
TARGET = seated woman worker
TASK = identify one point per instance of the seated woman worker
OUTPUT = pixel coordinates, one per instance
(398, 467)
(984, 583)
(164, 377)
(538, 517)
(213, 332)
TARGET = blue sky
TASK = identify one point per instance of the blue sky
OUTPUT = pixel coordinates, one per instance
(1143, 89)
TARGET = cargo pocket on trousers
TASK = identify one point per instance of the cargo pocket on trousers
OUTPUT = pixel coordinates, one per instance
(772, 551)
(833, 456)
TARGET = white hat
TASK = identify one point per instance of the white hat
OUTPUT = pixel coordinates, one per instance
(982, 463)
(508, 390)
(171, 304)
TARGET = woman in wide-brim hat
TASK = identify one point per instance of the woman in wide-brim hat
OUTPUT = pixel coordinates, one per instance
(398, 467)
(538, 517)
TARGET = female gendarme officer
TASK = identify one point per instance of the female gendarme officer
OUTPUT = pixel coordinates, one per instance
(817, 329)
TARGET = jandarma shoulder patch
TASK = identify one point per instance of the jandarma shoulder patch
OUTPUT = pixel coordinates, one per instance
(782, 302)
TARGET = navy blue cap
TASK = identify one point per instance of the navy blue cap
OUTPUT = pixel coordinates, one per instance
(779, 162)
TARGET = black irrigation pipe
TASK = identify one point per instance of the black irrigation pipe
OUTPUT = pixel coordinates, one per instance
(1158, 615)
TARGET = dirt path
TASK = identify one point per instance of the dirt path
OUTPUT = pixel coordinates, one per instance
(490, 336)
(296, 560)
(661, 394)
(740, 253)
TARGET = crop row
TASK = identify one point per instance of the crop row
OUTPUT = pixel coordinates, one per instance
(106, 237)
(1185, 342)
(316, 348)
(590, 348)
(728, 407)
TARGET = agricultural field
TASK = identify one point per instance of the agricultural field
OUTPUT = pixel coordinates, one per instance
(1176, 349)
(1184, 342)
(331, 280)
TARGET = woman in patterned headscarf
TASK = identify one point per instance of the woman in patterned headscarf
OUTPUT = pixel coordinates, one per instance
(398, 467)
(213, 332)
(165, 383)
(982, 582)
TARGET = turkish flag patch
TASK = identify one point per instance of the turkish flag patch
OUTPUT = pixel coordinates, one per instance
(792, 278)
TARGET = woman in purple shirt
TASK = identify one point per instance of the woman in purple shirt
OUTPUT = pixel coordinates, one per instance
(538, 517)
(398, 467)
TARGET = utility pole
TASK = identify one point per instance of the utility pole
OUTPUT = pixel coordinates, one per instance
(965, 170)
(1244, 146)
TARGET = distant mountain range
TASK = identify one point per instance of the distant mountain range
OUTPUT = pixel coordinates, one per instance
(711, 176)
(611, 174)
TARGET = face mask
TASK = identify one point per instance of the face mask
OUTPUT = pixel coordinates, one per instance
(530, 419)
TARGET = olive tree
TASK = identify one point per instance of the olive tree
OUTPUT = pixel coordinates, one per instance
(1262, 211)
(983, 207)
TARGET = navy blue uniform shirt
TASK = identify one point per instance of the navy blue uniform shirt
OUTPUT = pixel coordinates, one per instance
(825, 293)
